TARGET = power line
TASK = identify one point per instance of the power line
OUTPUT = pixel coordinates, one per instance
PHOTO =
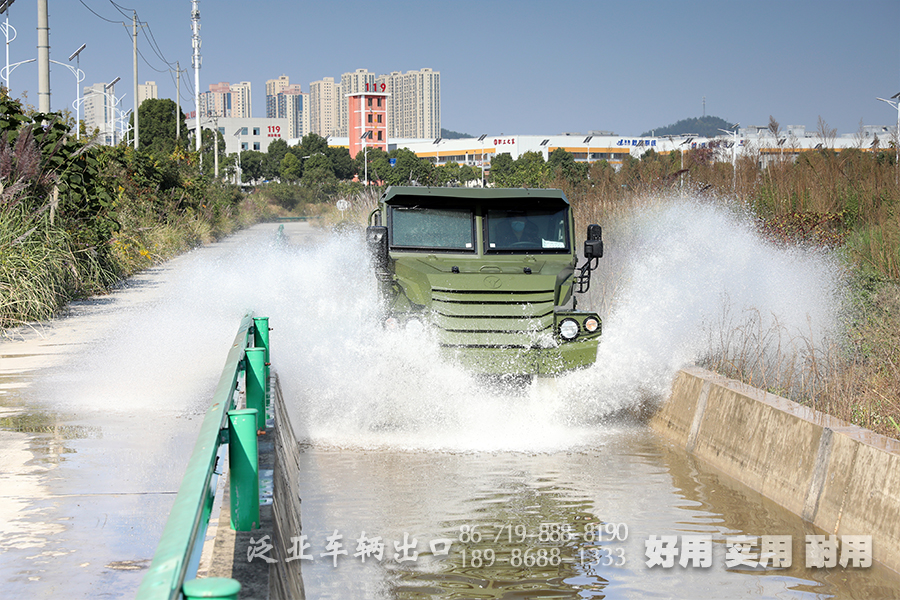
(99, 15)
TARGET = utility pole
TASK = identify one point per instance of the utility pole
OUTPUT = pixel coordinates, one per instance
(43, 28)
(178, 73)
(195, 41)
(137, 100)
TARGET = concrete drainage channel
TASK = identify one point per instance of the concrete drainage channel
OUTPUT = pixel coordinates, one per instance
(841, 478)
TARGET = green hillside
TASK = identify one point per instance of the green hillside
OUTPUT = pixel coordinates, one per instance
(704, 126)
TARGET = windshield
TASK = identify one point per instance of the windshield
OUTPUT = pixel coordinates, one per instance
(527, 230)
(432, 228)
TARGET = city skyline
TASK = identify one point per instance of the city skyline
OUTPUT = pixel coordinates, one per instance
(509, 67)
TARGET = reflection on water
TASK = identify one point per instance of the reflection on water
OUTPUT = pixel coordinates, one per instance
(567, 524)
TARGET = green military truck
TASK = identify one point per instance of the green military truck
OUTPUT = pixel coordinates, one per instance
(491, 273)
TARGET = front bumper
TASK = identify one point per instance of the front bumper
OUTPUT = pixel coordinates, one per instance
(507, 360)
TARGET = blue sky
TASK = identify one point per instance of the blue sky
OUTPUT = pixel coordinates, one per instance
(513, 67)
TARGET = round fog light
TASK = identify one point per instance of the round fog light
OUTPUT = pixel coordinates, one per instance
(591, 324)
(415, 326)
(568, 329)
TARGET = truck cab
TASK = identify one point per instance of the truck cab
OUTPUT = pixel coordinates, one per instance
(491, 273)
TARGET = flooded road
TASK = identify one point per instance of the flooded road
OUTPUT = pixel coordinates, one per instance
(568, 524)
(100, 411)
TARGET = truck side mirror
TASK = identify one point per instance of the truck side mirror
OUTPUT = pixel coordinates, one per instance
(593, 246)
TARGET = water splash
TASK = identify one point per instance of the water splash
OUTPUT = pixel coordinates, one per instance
(350, 383)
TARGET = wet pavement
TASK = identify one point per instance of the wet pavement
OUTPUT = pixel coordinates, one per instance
(99, 412)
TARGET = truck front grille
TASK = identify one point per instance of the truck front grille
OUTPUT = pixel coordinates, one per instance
(491, 319)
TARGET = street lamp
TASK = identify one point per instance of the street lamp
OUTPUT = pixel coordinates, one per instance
(5, 71)
(4, 8)
(587, 141)
(366, 136)
(240, 148)
(437, 150)
(896, 105)
(481, 139)
(79, 77)
(733, 155)
(112, 107)
(78, 81)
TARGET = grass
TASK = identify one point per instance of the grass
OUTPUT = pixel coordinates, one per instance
(40, 269)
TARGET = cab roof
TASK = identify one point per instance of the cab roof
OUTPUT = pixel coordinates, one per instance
(442, 195)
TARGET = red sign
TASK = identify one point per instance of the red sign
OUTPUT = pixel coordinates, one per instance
(500, 142)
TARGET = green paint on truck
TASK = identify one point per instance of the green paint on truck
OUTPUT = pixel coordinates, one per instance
(492, 273)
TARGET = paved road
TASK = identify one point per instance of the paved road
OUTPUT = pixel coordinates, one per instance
(99, 411)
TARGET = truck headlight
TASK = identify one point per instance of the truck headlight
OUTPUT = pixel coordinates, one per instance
(591, 324)
(568, 329)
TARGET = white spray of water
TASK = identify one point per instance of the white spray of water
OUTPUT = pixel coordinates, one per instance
(349, 382)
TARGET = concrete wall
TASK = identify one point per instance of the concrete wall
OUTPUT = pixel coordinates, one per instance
(286, 582)
(842, 478)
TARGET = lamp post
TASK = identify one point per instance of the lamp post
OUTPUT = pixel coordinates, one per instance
(437, 150)
(364, 137)
(481, 139)
(240, 149)
(733, 155)
(5, 71)
(79, 77)
(110, 88)
(78, 80)
(4, 8)
(587, 156)
(896, 105)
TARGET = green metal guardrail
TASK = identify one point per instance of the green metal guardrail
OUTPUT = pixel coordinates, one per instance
(174, 567)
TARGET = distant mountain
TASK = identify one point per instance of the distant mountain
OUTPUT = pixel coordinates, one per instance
(703, 126)
(453, 135)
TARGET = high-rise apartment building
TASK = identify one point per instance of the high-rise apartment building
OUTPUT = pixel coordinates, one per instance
(273, 88)
(324, 107)
(414, 104)
(357, 82)
(226, 100)
(98, 111)
(293, 106)
(241, 107)
(285, 100)
(147, 91)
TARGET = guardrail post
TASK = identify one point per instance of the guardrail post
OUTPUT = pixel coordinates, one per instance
(256, 385)
(211, 587)
(243, 460)
(261, 340)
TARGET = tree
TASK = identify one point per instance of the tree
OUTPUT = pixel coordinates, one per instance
(158, 125)
(468, 173)
(448, 173)
(252, 164)
(318, 174)
(379, 165)
(341, 163)
(291, 167)
(502, 169)
(274, 155)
